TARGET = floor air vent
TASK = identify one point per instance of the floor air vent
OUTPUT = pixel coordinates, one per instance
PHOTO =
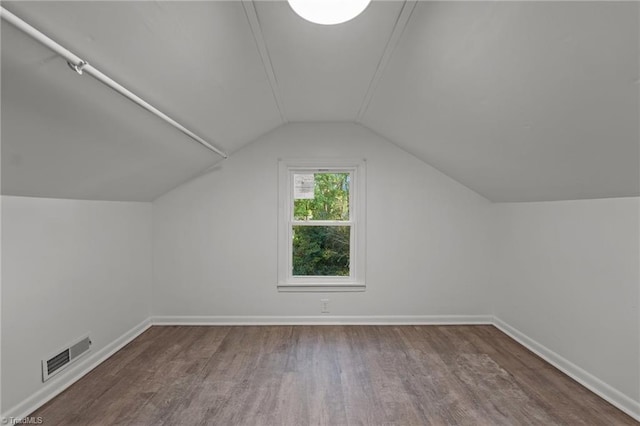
(61, 360)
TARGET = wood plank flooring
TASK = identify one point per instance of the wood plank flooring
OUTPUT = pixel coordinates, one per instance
(327, 375)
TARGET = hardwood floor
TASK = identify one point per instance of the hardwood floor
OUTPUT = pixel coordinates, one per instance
(327, 375)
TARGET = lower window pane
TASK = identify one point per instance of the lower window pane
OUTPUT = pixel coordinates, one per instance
(321, 250)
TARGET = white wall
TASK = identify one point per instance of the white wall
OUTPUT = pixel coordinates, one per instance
(565, 274)
(215, 238)
(568, 278)
(69, 268)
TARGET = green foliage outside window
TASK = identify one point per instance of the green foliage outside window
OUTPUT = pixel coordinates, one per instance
(330, 201)
(323, 250)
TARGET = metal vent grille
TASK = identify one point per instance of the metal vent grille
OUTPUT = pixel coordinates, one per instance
(59, 361)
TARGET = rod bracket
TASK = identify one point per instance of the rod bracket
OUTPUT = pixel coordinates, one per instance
(78, 67)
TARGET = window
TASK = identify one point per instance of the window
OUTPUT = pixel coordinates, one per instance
(321, 225)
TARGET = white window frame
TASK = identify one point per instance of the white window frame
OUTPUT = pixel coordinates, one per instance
(357, 203)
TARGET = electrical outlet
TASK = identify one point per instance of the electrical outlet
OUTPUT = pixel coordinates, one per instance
(324, 306)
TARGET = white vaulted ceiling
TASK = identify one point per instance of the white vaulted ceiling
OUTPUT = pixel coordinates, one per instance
(324, 72)
(517, 100)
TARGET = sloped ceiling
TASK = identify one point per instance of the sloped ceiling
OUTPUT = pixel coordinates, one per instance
(519, 101)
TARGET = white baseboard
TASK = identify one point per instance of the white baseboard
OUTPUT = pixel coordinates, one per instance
(324, 320)
(586, 379)
(61, 382)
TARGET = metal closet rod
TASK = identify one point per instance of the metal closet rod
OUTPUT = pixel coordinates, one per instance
(81, 66)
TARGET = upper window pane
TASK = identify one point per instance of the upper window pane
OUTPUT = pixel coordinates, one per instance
(321, 196)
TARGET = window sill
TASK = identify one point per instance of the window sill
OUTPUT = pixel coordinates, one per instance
(320, 288)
